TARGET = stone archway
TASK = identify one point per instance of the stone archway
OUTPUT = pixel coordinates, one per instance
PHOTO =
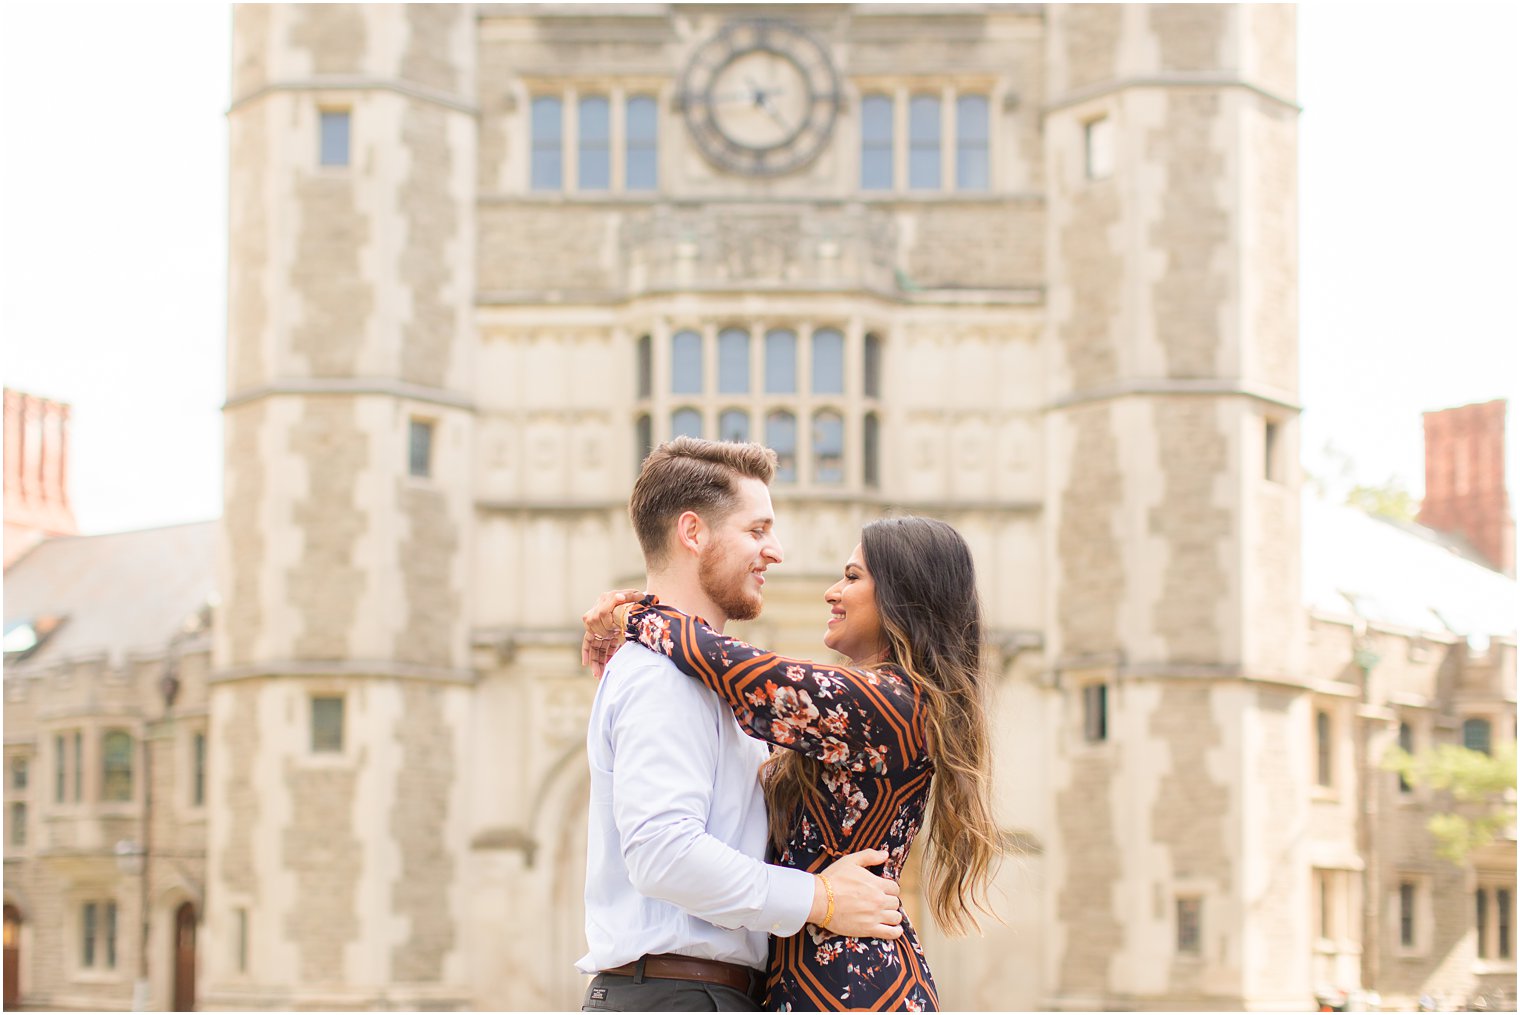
(185, 922)
(559, 827)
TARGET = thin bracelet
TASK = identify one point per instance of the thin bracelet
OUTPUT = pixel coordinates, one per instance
(828, 913)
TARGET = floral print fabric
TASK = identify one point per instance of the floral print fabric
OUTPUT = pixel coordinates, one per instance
(866, 727)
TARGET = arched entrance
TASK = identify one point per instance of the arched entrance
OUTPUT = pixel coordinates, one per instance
(12, 957)
(184, 958)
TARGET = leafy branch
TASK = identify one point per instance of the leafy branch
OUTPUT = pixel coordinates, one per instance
(1480, 788)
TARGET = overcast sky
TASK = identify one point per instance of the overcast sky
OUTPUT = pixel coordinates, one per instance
(113, 172)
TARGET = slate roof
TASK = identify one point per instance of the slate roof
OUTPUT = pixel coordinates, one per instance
(1400, 574)
(121, 593)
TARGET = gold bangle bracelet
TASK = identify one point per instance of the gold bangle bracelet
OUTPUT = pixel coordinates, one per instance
(828, 914)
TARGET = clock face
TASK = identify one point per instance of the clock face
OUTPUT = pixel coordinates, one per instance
(760, 97)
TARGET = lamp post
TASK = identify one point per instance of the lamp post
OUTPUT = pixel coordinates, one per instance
(133, 857)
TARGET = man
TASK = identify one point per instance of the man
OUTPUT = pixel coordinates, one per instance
(678, 901)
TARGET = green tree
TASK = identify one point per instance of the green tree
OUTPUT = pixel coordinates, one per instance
(1389, 500)
(1480, 792)
(1334, 477)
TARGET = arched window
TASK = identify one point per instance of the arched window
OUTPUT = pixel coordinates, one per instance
(873, 366)
(116, 766)
(972, 168)
(828, 447)
(780, 361)
(594, 170)
(686, 423)
(1324, 749)
(733, 425)
(686, 363)
(1477, 735)
(876, 142)
(923, 142)
(781, 437)
(643, 437)
(733, 361)
(871, 450)
(644, 368)
(548, 143)
(641, 167)
(828, 362)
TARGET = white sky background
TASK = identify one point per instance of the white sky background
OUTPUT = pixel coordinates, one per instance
(113, 164)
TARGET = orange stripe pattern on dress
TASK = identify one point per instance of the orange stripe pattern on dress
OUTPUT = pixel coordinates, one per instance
(867, 728)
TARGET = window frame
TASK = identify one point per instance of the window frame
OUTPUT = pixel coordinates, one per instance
(926, 145)
(729, 383)
(786, 457)
(633, 144)
(878, 149)
(780, 343)
(198, 768)
(544, 149)
(688, 412)
(728, 415)
(1099, 158)
(828, 416)
(1406, 744)
(693, 356)
(327, 142)
(1486, 725)
(698, 364)
(1324, 749)
(593, 152)
(965, 145)
(327, 748)
(1188, 912)
(110, 791)
(836, 355)
(1095, 712)
(421, 461)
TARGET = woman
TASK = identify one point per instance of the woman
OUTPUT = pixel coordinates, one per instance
(866, 748)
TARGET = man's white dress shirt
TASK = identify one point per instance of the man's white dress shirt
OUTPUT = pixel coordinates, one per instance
(677, 825)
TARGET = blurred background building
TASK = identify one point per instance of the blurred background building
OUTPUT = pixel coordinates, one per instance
(1028, 268)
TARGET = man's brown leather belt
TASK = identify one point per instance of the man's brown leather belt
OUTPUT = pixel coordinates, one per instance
(684, 967)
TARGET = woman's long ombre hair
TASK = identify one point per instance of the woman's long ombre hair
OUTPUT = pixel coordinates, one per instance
(932, 618)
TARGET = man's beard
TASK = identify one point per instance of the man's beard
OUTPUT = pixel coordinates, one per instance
(726, 584)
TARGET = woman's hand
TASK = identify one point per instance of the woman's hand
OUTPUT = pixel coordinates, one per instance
(864, 905)
(604, 628)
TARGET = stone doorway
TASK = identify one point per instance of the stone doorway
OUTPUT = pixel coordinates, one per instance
(12, 957)
(184, 958)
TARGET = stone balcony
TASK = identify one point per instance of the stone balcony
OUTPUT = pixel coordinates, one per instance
(760, 246)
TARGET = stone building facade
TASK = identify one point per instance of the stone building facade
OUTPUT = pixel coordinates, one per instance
(106, 792)
(1027, 268)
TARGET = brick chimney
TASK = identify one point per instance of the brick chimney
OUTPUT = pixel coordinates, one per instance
(1464, 480)
(36, 472)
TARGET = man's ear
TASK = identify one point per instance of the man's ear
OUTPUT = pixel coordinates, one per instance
(691, 532)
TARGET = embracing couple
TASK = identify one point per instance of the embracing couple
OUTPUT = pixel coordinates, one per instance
(743, 803)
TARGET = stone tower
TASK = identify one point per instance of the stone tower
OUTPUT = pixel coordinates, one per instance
(1172, 506)
(341, 702)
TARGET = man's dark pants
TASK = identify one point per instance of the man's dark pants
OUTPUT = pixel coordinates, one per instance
(611, 992)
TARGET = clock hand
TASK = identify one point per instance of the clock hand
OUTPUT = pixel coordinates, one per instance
(775, 113)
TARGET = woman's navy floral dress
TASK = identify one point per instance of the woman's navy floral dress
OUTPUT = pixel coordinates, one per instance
(867, 728)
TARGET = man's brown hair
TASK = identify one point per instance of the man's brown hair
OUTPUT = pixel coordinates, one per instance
(690, 474)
